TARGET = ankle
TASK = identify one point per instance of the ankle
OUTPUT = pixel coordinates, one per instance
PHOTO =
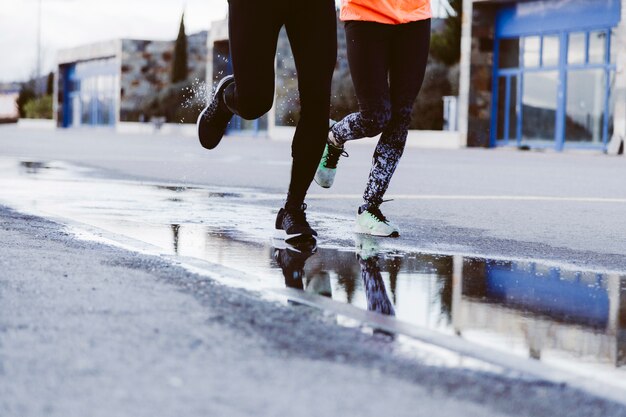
(294, 206)
(334, 141)
(364, 207)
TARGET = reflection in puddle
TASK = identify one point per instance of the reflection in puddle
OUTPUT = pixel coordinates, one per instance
(375, 292)
(176, 189)
(520, 306)
(574, 319)
(175, 229)
(33, 167)
(210, 194)
(524, 307)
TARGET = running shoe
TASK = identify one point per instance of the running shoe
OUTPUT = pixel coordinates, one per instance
(291, 260)
(292, 226)
(213, 120)
(371, 221)
(327, 168)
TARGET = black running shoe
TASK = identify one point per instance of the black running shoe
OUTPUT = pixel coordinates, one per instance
(291, 260)
(213, 120)
(291, 225)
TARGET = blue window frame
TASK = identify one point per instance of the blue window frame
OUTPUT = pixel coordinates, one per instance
(552, 74)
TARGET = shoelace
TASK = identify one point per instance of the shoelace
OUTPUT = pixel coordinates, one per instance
(296, 216)
(332, 157)
(378, 215)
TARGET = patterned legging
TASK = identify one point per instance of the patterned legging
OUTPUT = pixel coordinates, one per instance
(387, 63)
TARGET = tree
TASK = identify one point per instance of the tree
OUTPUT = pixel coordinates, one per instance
(180, 68)
(50, 84)
(446, 46)
(39, 108)
(177, 103)
(27, 93)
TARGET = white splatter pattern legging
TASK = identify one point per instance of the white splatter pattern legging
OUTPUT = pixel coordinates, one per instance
(387, 63)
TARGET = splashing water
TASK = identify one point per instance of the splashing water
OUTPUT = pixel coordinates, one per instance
(195, 96)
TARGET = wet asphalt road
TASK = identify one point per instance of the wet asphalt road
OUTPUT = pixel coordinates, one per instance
(132, 335)
(87, 329)
(497, 203)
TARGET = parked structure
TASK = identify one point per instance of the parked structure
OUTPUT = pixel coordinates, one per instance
(104, 84)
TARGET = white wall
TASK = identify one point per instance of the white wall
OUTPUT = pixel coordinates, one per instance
(8, 106)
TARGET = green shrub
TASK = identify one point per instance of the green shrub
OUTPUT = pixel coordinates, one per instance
(39, 108)
(445, 46)
(428, 108)
(27, 93)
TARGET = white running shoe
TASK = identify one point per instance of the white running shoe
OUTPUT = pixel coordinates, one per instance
(327, 168)
(371, 221)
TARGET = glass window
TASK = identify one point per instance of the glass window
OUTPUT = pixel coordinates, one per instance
(501, 107)
(576, 48)
(531, 51)
(509, 53)
(539, 105)
(611, 105)
(96, 82)
(586, 91)
(613, 47)
(597, 47)
(513, 111)
(76, 110)
(550, 54)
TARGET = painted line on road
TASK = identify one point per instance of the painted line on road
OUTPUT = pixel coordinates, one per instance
(474, 198)
(248, 193)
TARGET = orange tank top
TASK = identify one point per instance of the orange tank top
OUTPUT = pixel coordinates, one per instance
(385, 11)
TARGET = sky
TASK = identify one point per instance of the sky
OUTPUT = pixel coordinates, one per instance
(69, 23)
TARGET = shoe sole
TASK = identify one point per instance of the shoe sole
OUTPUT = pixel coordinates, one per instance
(220, 85)
(306, 247)
(322, 185)
(363, 231)
(294, 239)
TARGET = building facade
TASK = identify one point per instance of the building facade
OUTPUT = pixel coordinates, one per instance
(105, 84)
(543, 74)
(9, 92)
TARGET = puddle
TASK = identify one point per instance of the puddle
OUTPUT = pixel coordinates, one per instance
(571, 319)
(33, 167)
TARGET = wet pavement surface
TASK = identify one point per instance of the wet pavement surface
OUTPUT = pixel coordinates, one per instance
(572, 319)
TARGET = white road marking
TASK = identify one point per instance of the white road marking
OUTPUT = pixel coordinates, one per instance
(473, 198)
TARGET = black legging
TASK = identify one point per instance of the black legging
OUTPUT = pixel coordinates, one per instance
(387, 64)
(254, 26)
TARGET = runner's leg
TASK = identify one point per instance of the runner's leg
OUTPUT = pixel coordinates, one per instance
(253, 28)
(368, 57)
(408, 63)
(311, 27)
